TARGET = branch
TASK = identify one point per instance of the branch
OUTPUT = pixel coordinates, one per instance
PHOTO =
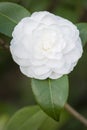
(3, 44)
(77, 115)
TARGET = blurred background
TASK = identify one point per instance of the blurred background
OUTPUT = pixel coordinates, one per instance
(15, 88)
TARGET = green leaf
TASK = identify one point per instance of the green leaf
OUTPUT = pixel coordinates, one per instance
(83, 32)
(10, 15)
(50, 124)
(28, 118)
(51, 95)
(3, 121)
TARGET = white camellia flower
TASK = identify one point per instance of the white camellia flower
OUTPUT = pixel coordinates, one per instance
(45, 46)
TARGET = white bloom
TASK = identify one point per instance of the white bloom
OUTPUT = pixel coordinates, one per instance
(45, 46)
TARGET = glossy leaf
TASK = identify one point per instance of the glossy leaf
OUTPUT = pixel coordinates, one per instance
(28, 118)
(51, 95)
(83, 32)
(10, 15)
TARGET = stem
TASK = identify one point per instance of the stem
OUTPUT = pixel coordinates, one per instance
(77, 115)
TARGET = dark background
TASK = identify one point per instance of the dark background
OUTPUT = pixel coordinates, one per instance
(15, 88)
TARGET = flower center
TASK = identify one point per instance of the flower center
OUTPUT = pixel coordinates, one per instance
(46, 46)
(48, 39)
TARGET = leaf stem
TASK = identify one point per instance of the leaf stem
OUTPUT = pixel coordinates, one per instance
(77, 115)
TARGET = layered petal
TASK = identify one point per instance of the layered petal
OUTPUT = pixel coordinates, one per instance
(45, 46)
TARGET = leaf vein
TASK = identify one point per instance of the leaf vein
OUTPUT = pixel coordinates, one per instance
(50, 88)
(10, 19)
